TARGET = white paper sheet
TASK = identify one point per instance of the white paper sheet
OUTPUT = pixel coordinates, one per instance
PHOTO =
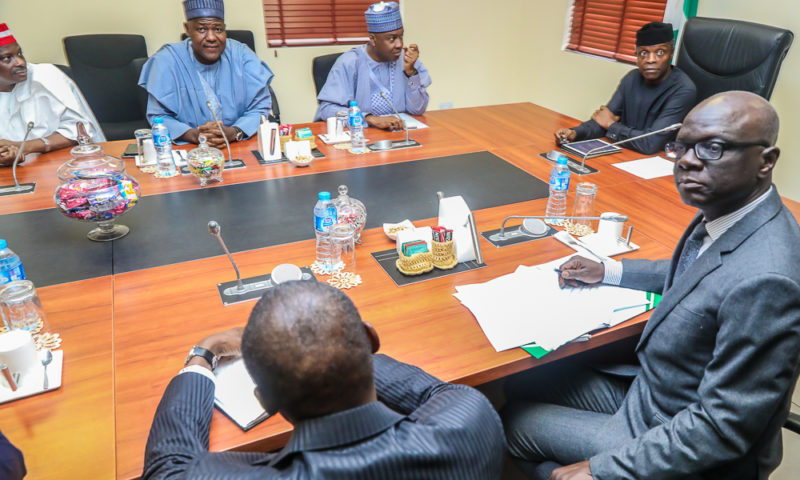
(528, 306)
(647, 168)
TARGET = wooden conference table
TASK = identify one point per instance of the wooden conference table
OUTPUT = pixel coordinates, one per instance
(126, 334)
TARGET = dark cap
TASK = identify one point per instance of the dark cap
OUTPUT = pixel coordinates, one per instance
(654, 33)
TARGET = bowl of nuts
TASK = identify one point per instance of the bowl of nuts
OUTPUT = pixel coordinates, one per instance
(391, 229)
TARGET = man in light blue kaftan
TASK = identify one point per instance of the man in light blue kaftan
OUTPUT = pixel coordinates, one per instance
(207, 67)
(365, 72)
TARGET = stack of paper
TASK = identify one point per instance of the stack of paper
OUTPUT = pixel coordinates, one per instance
(234, 395)
(528, 306)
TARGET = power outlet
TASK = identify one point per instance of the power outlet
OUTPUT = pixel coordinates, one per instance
(445, 105)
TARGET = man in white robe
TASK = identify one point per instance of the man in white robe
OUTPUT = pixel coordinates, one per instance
(43, 95)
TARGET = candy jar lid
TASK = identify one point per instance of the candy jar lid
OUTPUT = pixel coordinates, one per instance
(350, 210)
(205, 153)
(87, 156)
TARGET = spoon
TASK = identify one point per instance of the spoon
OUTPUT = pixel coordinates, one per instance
(48, 358)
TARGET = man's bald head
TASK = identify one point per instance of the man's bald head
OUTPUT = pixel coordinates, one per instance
(726, 152)
(746, 115)
(307, 350)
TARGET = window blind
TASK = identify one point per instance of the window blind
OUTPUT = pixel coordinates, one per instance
(315, 22)
(608, 27)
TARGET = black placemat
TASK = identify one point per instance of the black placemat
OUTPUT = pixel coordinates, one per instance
(514, 235)
(54, 248)
(573, 165)
(173, 227)
(315, 152)
(386, 259)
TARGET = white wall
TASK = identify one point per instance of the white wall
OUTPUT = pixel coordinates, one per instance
(478, 52)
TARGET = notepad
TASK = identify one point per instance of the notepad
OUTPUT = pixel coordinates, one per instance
(234, 395)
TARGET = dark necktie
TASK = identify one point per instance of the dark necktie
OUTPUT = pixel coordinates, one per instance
(691, 248)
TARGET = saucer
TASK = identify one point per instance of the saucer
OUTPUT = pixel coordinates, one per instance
(33, 382)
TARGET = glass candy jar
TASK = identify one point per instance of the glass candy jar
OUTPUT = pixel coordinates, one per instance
(95, 188)
(349, 210)
(206, 163)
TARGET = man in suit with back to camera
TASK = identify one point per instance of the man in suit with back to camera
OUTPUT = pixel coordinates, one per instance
(355, 414)
(364, 73)
(654, 96)
(719, 355)
(207, 67)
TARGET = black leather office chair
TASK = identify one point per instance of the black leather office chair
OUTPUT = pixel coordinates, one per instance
(101, 66)
(67, 71)
(721, 55)
(246, 37)
(141, 94)
(321, 67)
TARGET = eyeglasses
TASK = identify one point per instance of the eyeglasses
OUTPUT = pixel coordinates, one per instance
(708, 150)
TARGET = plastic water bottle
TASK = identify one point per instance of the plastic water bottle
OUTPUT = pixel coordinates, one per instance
(10, 264)
(163, 143)
(324, 219)
(357, 141)
(559, 185)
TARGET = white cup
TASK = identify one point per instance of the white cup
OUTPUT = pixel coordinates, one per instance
(332, 127)
(18, 353)
(609, 230)
(286, 272)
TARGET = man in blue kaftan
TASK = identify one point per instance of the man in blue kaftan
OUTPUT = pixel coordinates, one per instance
(207, 67)
(365, 72)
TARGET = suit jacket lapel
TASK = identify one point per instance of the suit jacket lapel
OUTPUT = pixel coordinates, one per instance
(710, 260)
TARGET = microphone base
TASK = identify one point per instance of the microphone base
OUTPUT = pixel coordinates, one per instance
(253, 287)
(382, 146)
(9, 190)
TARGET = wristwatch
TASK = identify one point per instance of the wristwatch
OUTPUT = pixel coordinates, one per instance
(205, 353)
(47, 145)
(239, 134)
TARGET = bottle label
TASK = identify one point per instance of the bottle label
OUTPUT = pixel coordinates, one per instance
(559, 180)
(324, 222)
(356, 120)
(16, 273)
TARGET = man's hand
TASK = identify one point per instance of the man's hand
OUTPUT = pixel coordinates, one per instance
(7, 155)
(605, 117)
(214, 137)
(227, 343)
(565, 135)
(388, 122)
(576, 471)
(410, 57)
(579, 271)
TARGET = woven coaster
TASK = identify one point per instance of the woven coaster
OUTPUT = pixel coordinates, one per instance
(577, 229)
(344, 280)
(151, 170)
(320, 269)
(47, 341)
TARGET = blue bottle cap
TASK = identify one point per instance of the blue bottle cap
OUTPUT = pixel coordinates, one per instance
(158, 120)
(562, 160)
(3, 244)
(353, 103)
(324, 195)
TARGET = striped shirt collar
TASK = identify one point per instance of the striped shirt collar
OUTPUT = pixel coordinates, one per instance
(717, 227)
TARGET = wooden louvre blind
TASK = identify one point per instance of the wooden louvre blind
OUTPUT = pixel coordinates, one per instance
(608, 27)
(315, 22)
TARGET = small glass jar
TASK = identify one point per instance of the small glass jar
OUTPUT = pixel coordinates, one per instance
(21, 307)
(206, 163)
(585, 195)
(349, 210)
(95, 188)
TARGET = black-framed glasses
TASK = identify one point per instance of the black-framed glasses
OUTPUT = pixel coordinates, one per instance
(707, 150)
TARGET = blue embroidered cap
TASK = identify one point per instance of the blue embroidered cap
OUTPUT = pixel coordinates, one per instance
(204, 8)
(383, 17)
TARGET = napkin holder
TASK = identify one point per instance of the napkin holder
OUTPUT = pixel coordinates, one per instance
(269, 145)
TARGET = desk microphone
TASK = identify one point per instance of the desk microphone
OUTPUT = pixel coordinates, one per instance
(224, 137)
(19, 154)
(502, 234)
(674, 126)
(215, 229)
(405, 127)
